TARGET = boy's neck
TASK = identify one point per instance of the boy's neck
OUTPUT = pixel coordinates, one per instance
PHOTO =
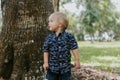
(58, 32)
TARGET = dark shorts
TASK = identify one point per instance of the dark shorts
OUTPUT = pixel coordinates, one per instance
(53, 76)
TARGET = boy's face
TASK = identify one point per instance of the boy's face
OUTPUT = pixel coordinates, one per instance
(53, 23)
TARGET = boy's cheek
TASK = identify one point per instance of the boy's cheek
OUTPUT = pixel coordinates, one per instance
(50, 28)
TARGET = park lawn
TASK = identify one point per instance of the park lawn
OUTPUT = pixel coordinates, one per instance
(101, 55)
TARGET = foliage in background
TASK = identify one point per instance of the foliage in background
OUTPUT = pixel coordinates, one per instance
(97, 15)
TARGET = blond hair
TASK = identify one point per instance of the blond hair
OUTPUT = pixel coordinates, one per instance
(62, 19)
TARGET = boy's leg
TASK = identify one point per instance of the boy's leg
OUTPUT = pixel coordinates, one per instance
(65, 76)
(51, 76)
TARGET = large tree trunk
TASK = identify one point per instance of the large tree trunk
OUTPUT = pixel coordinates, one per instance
(23, 32)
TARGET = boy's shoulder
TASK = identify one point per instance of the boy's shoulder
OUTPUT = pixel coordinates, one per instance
(49, 36)
(68, 34)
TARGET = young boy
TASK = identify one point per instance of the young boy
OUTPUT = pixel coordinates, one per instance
(56, 48)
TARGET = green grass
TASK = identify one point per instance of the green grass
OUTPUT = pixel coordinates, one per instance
(101, 55)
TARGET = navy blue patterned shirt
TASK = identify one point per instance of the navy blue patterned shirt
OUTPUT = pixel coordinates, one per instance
(58, 48)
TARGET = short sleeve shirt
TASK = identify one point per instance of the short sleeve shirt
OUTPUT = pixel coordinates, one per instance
(58, 48)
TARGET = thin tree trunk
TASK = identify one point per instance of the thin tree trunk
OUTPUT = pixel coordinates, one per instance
(56, 5)
(23, 32)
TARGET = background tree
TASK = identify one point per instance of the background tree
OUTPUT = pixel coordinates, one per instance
(90, 17)
(98, 16)
(93, 16)
(56, 5)
(23, 32)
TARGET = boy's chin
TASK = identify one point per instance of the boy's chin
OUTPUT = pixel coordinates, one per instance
(51, 30)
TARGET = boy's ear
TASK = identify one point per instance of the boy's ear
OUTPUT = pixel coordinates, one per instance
(60, 25)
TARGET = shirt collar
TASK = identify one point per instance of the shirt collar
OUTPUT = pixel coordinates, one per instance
(61, 33)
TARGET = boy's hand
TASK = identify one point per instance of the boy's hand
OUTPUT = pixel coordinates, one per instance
(76, 65)
(1, 78)
(45, 66)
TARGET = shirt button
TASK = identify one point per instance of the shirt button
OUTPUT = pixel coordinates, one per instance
(60, 64)
(58, 39)
(60, 56)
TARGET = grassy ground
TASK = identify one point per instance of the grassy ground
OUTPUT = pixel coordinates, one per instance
(101, 55)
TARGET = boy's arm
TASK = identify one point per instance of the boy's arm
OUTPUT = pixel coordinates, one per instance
(45, 65)
(77, 59)
(45, 57)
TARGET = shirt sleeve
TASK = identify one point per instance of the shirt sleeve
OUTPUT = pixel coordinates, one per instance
(73, 43)
(45, 47)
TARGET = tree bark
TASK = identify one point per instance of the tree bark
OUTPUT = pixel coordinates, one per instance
(23, 32)
(56, 5)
